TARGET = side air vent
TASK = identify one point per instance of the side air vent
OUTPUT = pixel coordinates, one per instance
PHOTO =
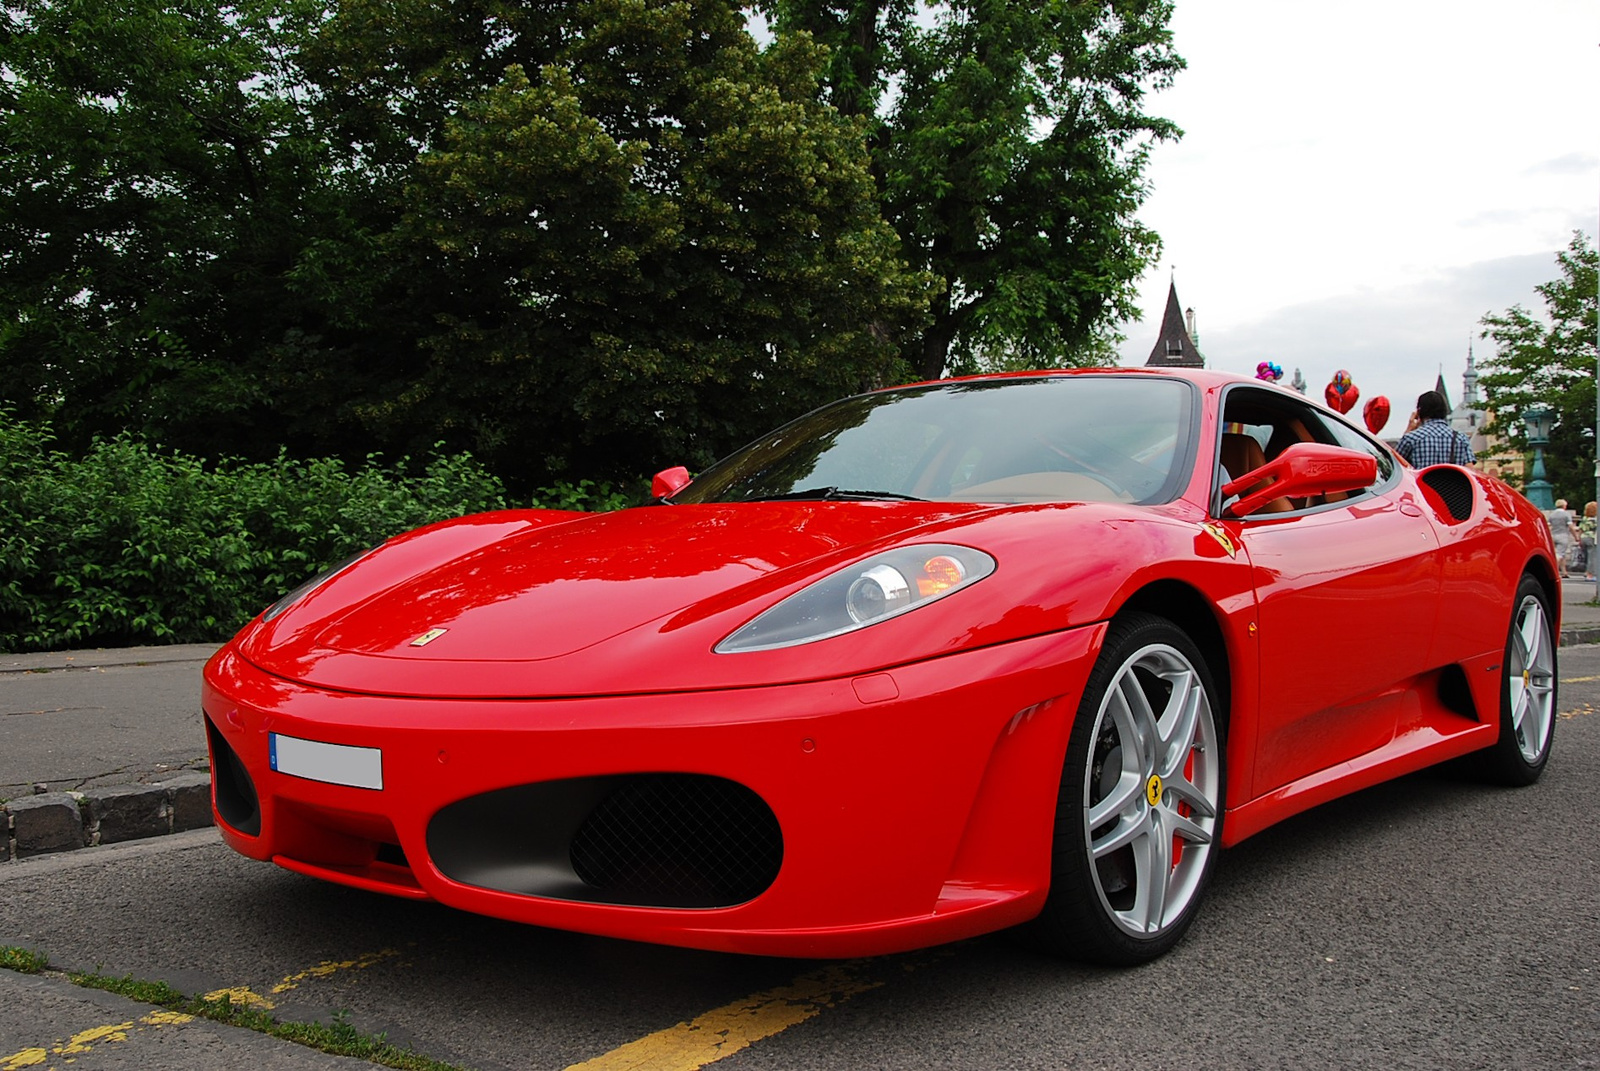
(1454, 693)
(1454, 487)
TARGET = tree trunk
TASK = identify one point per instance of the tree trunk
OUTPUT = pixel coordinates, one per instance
(937, 338)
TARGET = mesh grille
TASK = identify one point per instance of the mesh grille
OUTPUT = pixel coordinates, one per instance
(1454, 487)
(679, 840)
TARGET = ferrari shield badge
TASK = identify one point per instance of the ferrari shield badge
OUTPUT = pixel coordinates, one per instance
(1222, 537)
(428, 637)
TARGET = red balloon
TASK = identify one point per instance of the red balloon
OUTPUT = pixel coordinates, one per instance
(1341, 401)
(1376, 413)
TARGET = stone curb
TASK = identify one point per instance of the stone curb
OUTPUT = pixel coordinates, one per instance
(1577, 634)
(63, 821)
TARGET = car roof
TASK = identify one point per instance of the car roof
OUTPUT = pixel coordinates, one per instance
(1201, 377)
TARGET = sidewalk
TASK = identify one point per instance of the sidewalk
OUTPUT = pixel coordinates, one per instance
(76, 720)
(101, 746)
(1580, 621)
(108, 745)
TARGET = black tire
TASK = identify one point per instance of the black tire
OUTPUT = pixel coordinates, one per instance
(1527, 692)
(1152, 811)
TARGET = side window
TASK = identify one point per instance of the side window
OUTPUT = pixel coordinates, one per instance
(1259, 425)
(1351, 439)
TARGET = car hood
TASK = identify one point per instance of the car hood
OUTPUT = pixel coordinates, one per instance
(544, 604)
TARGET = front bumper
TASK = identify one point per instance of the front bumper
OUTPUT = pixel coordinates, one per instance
(915, 805)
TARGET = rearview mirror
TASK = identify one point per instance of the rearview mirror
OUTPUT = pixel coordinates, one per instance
(669, 482)
(1301, 471)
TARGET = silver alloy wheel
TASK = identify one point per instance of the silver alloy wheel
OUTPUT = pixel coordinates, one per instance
(1530, 680)
(1152, 791)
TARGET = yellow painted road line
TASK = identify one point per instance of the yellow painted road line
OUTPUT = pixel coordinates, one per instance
(1579, 680)
(85, 1040)
(241, 996)
(330, 966)
(245, 996)
(733, 1027)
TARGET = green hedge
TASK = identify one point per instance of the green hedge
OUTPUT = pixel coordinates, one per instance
(130, 544)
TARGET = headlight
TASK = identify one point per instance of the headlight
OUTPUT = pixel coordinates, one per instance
(870, 591)
(311, 585)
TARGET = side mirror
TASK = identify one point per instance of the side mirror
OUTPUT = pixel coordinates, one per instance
(1301, 471)
(669, 482)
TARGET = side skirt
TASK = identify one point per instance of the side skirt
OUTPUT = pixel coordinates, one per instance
(1421, 747)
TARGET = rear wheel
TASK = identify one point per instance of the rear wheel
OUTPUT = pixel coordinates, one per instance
(1527, 691)
(1139, 817)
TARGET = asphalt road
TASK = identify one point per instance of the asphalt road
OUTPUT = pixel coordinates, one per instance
(1429, 923)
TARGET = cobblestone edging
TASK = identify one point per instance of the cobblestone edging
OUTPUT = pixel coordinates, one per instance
(63, 821)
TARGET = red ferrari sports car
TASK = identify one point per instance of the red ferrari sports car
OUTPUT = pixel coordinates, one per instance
(924, 663)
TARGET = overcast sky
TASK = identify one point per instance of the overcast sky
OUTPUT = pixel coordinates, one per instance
(1358, 184)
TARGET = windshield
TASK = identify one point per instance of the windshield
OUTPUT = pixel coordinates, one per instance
(1049, 439)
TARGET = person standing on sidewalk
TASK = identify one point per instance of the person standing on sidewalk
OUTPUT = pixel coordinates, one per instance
(1586, 530)
(1564, 531)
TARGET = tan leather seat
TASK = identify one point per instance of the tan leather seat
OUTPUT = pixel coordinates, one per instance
(1241, 454)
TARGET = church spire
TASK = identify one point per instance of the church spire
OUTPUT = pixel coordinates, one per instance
(1469, 381)
(1175, 348)
(1468, 417)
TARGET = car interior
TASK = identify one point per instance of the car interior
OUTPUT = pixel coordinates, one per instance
(1260, 425)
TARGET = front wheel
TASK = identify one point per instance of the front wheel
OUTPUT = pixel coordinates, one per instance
(1527, 691)
(1139, 816)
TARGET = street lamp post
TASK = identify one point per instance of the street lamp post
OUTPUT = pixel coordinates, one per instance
(1537, 419)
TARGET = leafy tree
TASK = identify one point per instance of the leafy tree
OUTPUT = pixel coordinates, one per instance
(1550, 361)
(581, 239)
(158, 183)
(1010, 141)
(646, 247)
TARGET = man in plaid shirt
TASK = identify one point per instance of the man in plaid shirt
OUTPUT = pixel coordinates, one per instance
(1429, 440)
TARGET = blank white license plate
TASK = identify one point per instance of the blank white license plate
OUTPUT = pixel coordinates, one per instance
(334, 764)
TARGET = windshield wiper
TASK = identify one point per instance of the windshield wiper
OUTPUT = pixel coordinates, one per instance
(838, 494)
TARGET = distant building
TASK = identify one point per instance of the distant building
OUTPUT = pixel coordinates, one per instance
(1175, 347)
(1495, 454)
(1469, 417)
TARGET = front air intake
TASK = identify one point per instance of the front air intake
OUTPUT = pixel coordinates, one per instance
(644, 840)
(231, 787)
(682, 838)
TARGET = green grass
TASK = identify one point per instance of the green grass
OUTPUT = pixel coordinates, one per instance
(21, 960)
(338, 1038)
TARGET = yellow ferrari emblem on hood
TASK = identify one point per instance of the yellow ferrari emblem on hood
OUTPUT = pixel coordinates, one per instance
(428, 637)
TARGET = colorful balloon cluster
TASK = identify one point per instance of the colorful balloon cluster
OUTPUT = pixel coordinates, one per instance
(1342, 395)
